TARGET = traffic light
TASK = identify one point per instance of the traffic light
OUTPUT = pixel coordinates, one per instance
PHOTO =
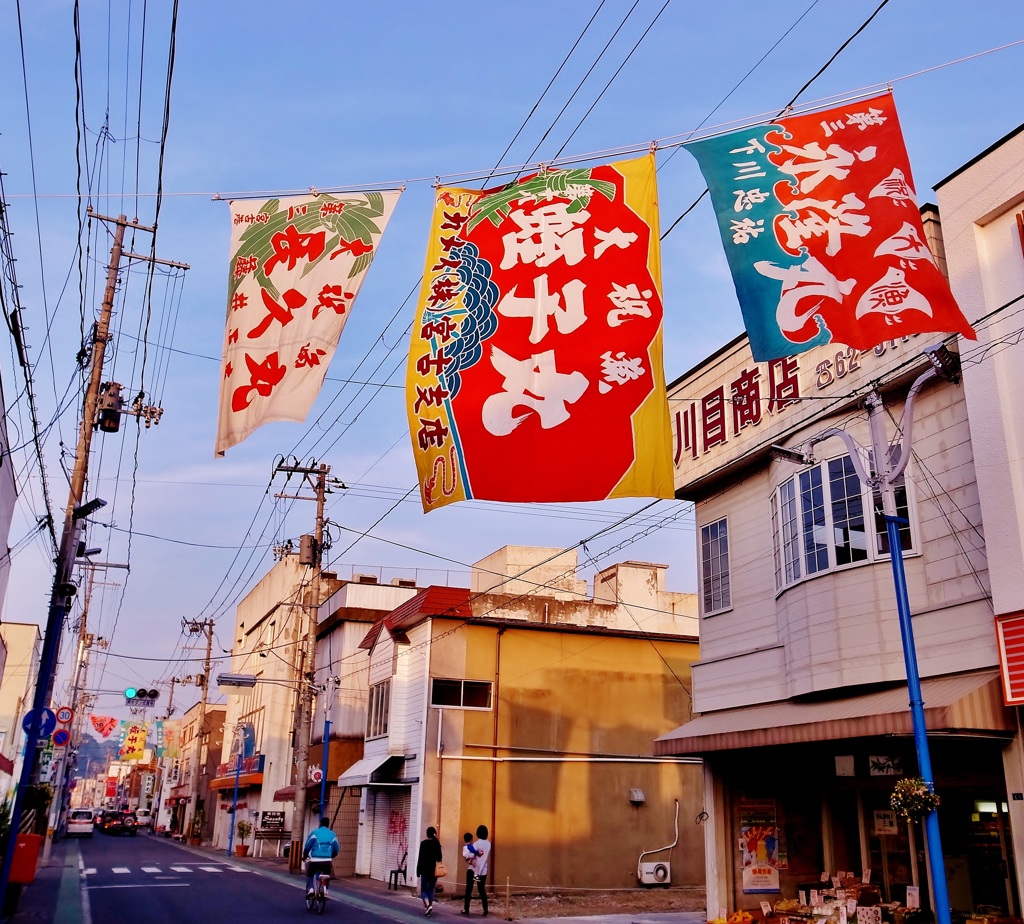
(140, 694)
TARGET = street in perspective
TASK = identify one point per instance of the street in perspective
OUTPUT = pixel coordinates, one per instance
(538, 462)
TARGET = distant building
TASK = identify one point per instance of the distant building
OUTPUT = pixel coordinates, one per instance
(202, 739)
(270, 631)
(528, 705)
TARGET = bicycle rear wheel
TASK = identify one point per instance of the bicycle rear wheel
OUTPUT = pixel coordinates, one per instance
(321, 902)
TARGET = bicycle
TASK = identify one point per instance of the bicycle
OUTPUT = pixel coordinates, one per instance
(319, 896)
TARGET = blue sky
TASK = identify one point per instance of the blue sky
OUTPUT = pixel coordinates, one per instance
(267, 97)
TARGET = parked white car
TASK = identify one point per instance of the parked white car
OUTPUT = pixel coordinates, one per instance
(143, 818)
(80, 822)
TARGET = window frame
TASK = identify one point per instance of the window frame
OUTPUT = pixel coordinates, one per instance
(462, 694)
(807, 506)
(711, 584)
(378, 710)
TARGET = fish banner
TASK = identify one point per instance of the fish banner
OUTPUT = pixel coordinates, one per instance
(104, 724)
(535, 367)
(821, 227)
(296, 268)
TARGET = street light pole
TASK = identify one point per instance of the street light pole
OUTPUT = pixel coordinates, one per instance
(886, 469)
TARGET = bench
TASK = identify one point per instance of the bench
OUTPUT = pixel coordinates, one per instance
(276, 835)
(398, 871)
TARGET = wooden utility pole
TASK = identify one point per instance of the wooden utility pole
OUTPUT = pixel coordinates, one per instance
(316, 478)
(193, 796)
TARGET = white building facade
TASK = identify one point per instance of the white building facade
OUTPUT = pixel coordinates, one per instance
(804, 722)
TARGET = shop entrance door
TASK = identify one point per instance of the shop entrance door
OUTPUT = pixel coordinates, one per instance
(892, 849)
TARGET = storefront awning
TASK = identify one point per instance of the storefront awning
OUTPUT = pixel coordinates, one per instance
(959, 704)
(362, 771)
(6, 765)
(244, 779)
(287, 793)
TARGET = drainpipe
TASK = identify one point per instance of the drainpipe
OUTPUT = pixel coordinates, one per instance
(494, 739)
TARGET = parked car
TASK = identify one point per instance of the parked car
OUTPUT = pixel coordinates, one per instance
(143, 818)
(119, 823)
(80, 822)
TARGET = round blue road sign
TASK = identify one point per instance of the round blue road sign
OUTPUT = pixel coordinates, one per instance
(47, 722)
(61, 737)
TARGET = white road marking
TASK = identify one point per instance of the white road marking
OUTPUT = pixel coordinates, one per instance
(182, 869)
(120, 870)
(151, 869)
(91, 871)
(212, 869)
(141, 885)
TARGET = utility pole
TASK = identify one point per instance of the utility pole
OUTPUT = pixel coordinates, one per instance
(316, 478)
(63, 590)
(195, 628)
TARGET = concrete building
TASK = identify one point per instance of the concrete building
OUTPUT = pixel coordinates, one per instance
(804, 723)
(528, 705)
(23, 644)
(202, 740)
(269, 638)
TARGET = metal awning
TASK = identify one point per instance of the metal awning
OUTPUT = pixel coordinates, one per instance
(957, 704)
(244, 780)
(362, 771)
(287, 793)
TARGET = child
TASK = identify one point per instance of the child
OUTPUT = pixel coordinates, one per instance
(469, 855)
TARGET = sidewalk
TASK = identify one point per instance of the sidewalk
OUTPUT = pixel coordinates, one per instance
(56, 896)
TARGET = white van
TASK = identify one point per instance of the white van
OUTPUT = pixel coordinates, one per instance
(80, 822)
(143, 818)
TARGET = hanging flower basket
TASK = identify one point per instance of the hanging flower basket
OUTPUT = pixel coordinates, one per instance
(912, 798)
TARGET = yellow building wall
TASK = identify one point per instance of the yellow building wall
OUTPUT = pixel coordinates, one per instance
(573, 712)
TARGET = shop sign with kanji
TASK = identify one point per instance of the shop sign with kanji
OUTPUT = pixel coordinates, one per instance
(819, 218)
(296, 268)
(535, 367)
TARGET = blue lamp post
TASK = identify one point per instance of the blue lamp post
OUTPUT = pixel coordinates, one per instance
(887, 465)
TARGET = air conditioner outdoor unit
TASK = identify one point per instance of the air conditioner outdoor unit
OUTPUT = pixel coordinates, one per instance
(655, 873)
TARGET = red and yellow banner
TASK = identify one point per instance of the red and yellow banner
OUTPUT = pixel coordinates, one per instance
(134, 741)
(535, 368)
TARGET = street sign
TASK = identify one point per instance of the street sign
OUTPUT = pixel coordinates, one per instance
(61, 737)
(47, 722)
(64, 715)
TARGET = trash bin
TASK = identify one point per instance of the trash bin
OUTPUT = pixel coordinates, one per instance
(26, 856)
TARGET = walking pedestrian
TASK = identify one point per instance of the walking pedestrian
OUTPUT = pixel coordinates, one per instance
(427, 863)
(480, 852)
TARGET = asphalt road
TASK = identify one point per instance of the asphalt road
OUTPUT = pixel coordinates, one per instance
(153, 880)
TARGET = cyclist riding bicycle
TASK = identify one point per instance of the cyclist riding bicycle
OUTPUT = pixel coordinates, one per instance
(320, 848)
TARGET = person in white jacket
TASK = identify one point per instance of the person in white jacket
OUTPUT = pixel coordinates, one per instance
(480, 851)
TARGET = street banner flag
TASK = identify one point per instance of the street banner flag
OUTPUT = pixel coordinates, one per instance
(104, 724)
(134, 741)
(296, 268)
(821, 227)
(535, 367)
(168, 738)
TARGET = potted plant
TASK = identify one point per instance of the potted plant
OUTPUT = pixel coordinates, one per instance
(244, 829)
(913, 798)
(195, 831)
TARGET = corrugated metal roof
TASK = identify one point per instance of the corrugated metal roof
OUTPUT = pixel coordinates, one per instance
(962, 702)
(433, 602)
